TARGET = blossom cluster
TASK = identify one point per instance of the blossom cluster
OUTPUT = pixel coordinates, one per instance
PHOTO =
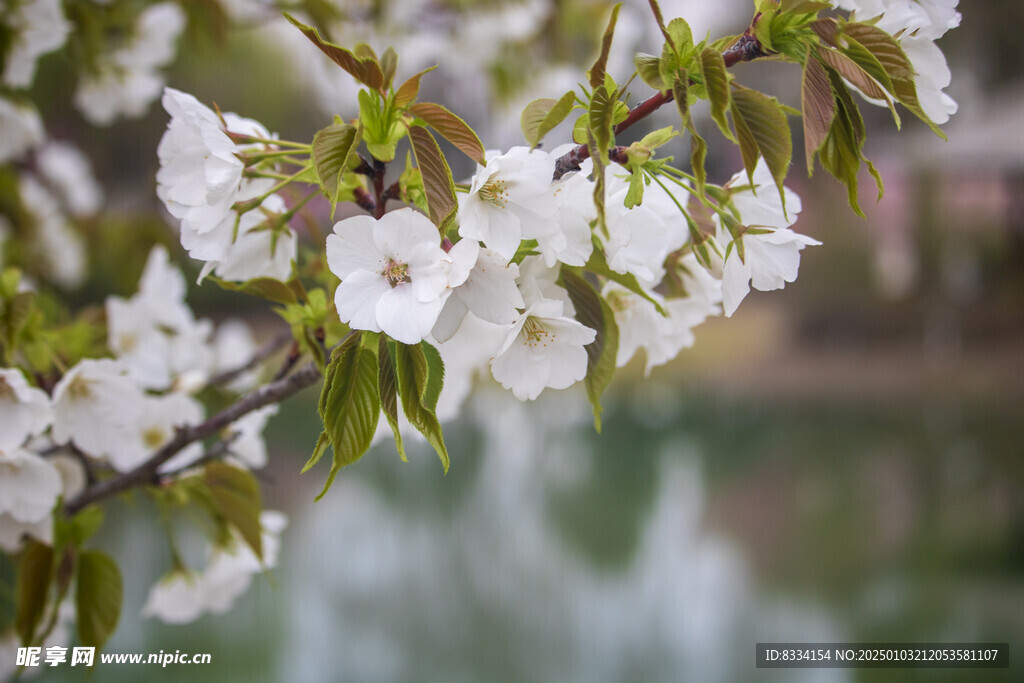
(116, 412)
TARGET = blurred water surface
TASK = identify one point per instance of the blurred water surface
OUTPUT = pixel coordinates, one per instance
(661, 550)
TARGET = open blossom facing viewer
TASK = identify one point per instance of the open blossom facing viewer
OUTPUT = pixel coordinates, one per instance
(543, 349)
(509, 201)
(394, 274)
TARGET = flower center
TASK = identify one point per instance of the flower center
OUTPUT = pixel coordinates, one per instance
(154, 437)
(80, 388)
(396, 273)
(495, 192)
(535, 334)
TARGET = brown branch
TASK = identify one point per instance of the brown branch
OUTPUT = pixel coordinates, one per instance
(266, 351)
(746, 48)
(147, 471)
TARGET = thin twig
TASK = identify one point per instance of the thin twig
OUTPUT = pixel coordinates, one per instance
(266, 351)
(147, 471)
(214, 452)
(746, 48)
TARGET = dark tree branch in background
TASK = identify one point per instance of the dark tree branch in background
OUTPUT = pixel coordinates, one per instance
(147, 472)
(214, 452)
(746, 48)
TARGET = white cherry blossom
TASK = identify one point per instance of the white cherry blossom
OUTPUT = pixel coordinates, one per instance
(21, 129)
(67, 170)
(154, 427)
(543, 349)
(177, 598)
(488, 291)
(771, 255)
(94, 405)
(394, 274)
(29, 485)
(60, 248)
(254, 253)
(24, 410)
(127, 79)
(509, 200)
(37, 27)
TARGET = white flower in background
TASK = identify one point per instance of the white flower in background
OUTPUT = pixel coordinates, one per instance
(155, 332)
(574, 198)
(21, 129)
(543, 349)
(394, 274)
(60, 248)
(182, 596)
(537, 281)
(154, 427)
(249, 448)
(94, 404)
(922, 22)
(254, 253)
(488, 291)
(466, 354)
(177, 598)
(229, 570)
(771, 250)
(127, 79)
(509, 201)
(199, 174)
(642, 326)
(29, 485)
(36, 28)
(13, 532)
(67, 171)
(24, 410)
(233, 346)
(640, 238)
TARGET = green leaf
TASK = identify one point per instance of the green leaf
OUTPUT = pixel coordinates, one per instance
(389, 64)
(366, 70)
(765, 132)
(263, 287)
(35, 572)
(349, 405)
(855, 74)
(98, 597)
(334, 147)
(452, 128)
(698, 147)
(599, 266)
(387, 385)
(236, 497)
(818, 107)
(716, 82)
(420, 374)
(596, 73)
(803, 6)
(594, 312)
(410, 89)
(681, 38)
(542, 115)
(437, 178)
(600, 114)
(649, 68)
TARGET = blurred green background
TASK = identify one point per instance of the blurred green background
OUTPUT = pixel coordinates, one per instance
(840, 461)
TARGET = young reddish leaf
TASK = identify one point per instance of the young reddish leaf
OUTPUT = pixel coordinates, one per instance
(766, 126)
(596, 73)
(98, 597)
(365, 70)
(818, 107)
(826, 29)
(389, 63)
(437, 177)
(409, 90)
(452, 128)
(263, 287)
(541, 115)
(852, 72)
